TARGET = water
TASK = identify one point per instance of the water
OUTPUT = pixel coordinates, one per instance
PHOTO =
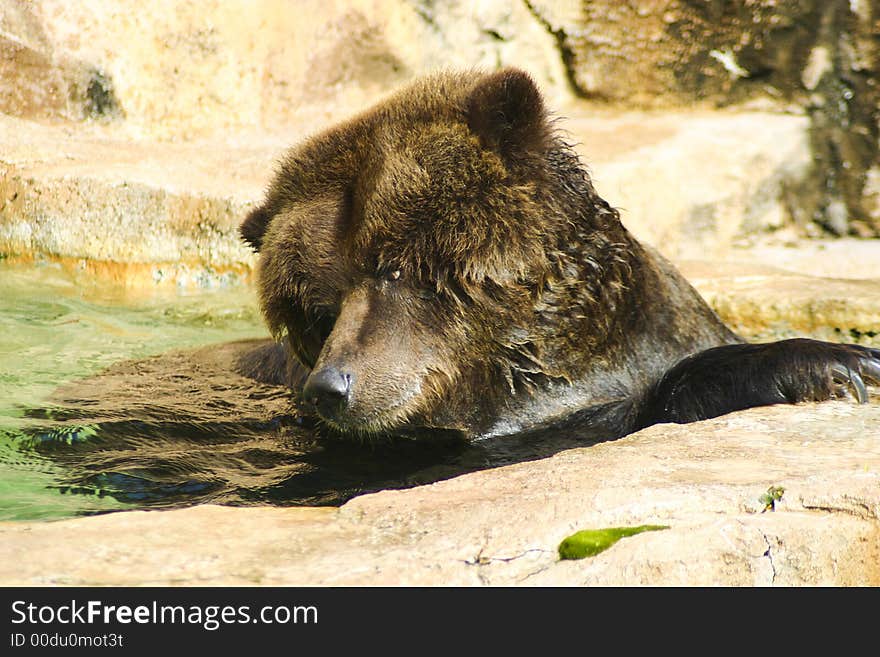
(54, 330)
(112, 401)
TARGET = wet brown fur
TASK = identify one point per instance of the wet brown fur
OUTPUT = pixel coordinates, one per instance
(520, 295)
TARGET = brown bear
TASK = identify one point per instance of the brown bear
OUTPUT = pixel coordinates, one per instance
(442, 261)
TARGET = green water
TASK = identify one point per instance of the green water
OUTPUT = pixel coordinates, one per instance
(55, 329)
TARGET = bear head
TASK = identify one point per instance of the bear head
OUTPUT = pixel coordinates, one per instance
(439, 258)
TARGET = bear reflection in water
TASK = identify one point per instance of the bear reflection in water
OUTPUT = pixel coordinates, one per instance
(440, 269)
(187, 427)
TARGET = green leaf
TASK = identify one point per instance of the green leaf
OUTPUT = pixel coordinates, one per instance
(590, 542)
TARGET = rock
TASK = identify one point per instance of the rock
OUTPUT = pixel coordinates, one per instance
(849, 258)
(38, 84)
(187, 70)
(695, 183)
(768, 303)
(502, 526)
(98, 197)
(821, 57)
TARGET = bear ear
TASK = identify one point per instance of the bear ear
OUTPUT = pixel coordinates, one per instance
(507, 112)
(254, 226)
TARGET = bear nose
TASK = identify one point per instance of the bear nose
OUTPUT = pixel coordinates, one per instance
(328, 389)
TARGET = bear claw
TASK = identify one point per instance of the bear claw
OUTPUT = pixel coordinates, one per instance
(871, 367)
(866, 369)
(844, 376)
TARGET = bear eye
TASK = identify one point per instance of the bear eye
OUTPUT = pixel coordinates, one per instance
(393, 275)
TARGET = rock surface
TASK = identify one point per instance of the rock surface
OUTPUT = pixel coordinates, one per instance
(503, 526)
(695, 183)
(770, 303)
(189, 69)
(95, 196)
(822, 57)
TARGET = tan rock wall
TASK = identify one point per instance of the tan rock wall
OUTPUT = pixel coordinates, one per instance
(818, 57)
(185, 68)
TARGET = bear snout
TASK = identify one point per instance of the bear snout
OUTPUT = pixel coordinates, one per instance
(329, 390)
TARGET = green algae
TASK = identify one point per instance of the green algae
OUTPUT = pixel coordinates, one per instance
(590, 542)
